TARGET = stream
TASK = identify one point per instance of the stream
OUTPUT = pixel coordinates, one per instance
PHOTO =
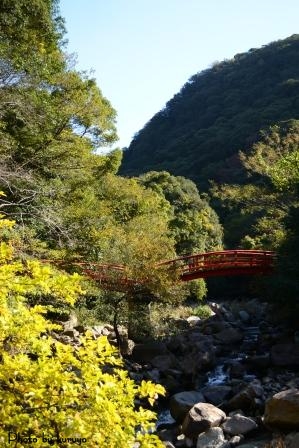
(220, 374)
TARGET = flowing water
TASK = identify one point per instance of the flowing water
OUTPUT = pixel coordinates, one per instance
(220, 374)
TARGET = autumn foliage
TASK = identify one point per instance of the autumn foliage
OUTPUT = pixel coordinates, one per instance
(53, 391)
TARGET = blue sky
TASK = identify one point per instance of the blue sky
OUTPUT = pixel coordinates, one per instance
(143, 51)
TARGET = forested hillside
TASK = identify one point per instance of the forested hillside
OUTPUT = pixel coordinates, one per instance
(218, 112)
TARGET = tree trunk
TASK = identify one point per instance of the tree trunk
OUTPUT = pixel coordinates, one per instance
(139, 325)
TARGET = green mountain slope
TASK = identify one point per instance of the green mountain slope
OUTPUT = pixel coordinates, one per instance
(217, 113)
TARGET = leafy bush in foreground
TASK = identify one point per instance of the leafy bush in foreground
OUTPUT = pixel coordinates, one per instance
(57, 394)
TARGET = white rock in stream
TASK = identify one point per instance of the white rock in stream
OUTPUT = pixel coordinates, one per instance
(200, 418)
(213, 438)
(239, 424)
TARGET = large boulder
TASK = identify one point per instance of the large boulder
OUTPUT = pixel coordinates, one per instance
(147, 351)
(181, 403)
(229, 336)
(213, 438)
(238, 424)
(285, 355)
(292, 440)
(282, 410)
(164, 362)
(216, 394)
(200, 418)
(247, 398)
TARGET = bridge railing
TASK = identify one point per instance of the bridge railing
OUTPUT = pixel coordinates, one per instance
(225, 262)
(189, 267)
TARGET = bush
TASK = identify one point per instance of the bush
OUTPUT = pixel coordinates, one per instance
(197, 289)
(203, 311)
(54, 393)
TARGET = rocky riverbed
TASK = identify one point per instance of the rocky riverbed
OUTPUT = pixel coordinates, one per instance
(231, 379)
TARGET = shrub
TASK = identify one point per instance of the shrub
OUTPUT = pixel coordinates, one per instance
(57, 393)
(203, 311)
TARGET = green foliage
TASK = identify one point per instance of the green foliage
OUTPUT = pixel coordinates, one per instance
(66, 198)
(269, 205)
(56, 390)
(203, 311)
(197, 289)
(34, 47)
(285, 287)
(194, 224)
(255, 212)
(218, 112)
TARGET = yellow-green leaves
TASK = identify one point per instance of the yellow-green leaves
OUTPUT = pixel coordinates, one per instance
(55, 391)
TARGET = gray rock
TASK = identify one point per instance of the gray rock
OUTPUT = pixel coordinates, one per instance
(229, 336)
(126, 346)
(71, 333)
(168, 444)
(235, 440)
(182, 402)
(98, 329)
(164, 362)
(292, 440)
(178, 344)
(169, 435)
(193, 320)
(238, 424)
(111, 336)
(80, 328)
(215, 326)
(71, 323)
(193, 363)
(171, 384)
(200, 418)
(213, 438)
(216, 394)
(153, 375)
(282, 410)
(146, 352)
(244, 316)
(246, 398)
(236, 369)
(183, 442)
(64, 339)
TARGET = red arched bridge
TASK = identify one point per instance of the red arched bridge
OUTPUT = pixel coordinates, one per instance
(190, 267)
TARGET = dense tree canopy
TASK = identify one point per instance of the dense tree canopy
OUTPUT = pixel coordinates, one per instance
(254, 213)
(217, 113)
(263, 213)
(30, 36)
(67, 199)
(194, 224)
